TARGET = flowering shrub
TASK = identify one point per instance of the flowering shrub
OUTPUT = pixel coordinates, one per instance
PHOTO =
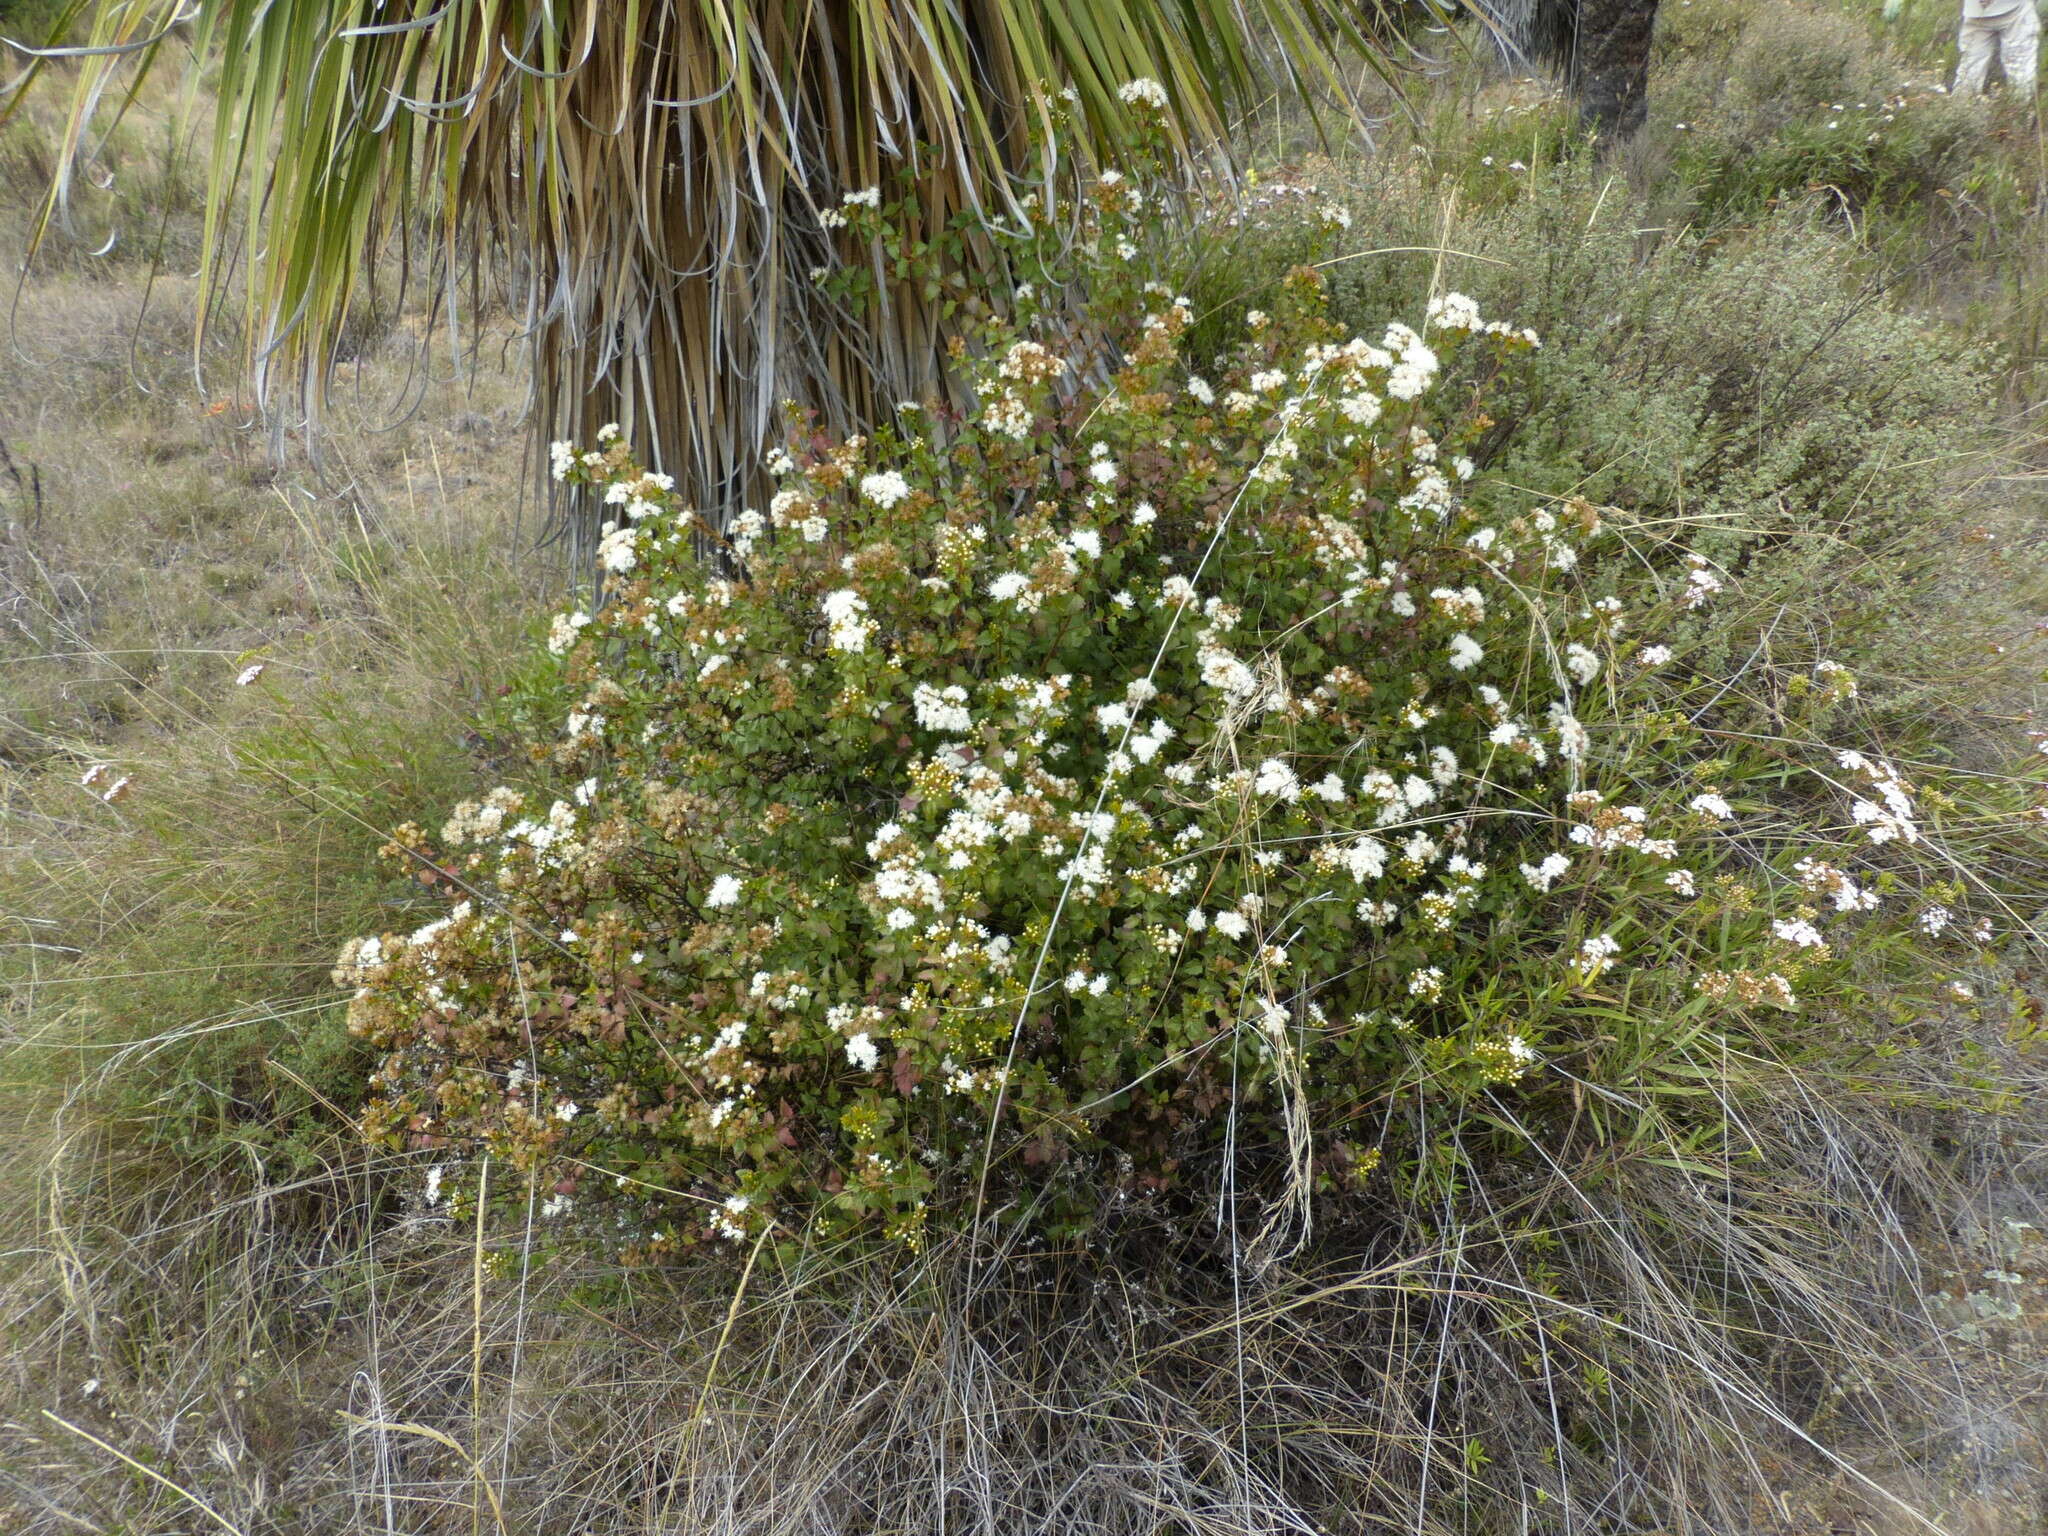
(1147, 766)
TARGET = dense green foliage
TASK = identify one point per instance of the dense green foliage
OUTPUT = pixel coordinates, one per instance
(1052, 808)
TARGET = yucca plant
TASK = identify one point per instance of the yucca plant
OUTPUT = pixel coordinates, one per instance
(663, 175)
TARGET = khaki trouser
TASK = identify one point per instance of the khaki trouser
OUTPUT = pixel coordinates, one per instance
(2015, 38)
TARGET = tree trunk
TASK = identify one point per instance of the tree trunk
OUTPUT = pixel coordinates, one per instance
(1610, 67)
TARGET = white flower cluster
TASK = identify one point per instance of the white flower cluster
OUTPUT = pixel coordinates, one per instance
(866, 197)
(1143, 92)
(1824, 879)
(1417, 364)
(1545, 874)
(902, 885)
(885, 489)
(1701, 581)
(1891, 815)
(847, 624)
(619, 548)
(563, 631)
(942, 709)
(1596, 957)
(1800, 933)
(1453, 312)
(1605, 828)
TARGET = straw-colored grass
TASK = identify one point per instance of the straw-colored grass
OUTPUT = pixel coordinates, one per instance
(220, 1311)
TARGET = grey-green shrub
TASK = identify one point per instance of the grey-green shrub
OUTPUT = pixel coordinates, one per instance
(1755, 392)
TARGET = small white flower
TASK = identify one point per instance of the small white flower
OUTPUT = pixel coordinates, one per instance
(1836, 678)
(1712, 805)
(1465, 652)
(1799, 932)
(618, 551)
(846, 619)
(862, 1052)
(566, 627)
(1700, 582)
(1596, 956)
(884, 489)
(1143, 92)
(249, 674)
(1361, 408)
(942, 709)
(1277, 779)
(1453, 312)
(725, 892)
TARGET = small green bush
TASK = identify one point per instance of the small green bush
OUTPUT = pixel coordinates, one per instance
(1135, 782)
(1757, 393)
(1762, 105)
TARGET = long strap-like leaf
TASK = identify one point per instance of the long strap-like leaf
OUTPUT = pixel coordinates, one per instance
(655, 169)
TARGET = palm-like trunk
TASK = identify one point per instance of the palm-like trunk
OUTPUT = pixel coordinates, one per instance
(663, 172)
(1610, 70)
(1601, 47)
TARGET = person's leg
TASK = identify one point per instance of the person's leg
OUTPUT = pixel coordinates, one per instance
(2021, 50)
(1975, 44)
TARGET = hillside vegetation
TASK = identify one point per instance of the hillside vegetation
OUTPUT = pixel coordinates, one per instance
(1647, 1141)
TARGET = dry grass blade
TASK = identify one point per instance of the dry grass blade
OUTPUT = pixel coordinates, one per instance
(485, 1491)
(151, 1473)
